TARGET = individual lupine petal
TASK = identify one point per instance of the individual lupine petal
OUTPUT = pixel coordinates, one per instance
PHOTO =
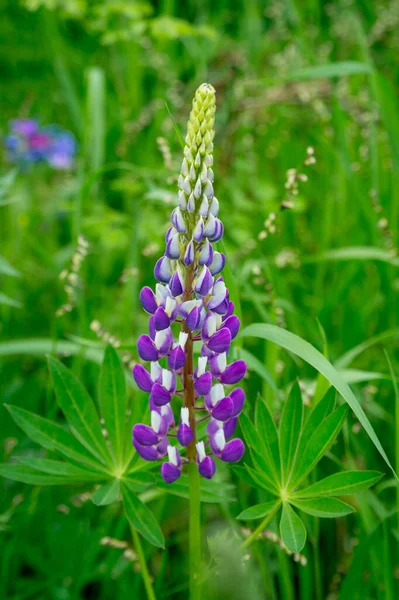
(233, 451)
(189, 254)
(220, 341)
(219, 293)
(171, 470)
(172, 231)
(230, 310)
(229, 427)
(162, 447)
(156, 372)
(219, 230)
(162, 292)
(201, 367)
(211, 324)
(218, 442)
(185, 308)
(206, 254)
(178, 221)
(198, 188)
(159, 424)
(203, 384)
(145, 435)
(151, 327)
(171, 308)
(161, 319)
(210, 226)
(142, 378)
(206, 352)
(167, 414)
(218, 364)
(146, 348)
(223, 410)
(204, 206)
(176, 284)
(206, 464)
(217, 264)
(182, 200)
(215, 395)
(214, 425)
(185, 434)
(162, 269)
(208, 189)
(176, 359)
(193, 319)
(234, 372)
(222, 308)
(146, 452)
(148, 300)
(173, 247)
(232, 323)
(214, 207)
(159, 395)
(204, 282)
(169, 381)
(191, 203)
(163, 341)
(238, 398)
(199, 230)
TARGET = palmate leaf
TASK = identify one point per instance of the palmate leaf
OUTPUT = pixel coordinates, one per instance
(139, 481)
(261, 481)
(141, 517)
(259, 451)
(59, 468)
(340, 484)
(259, 511)
(292, 530)
(290, 429)
(52, 436)
(327, 508)
(27, 474)
(113, 401)
(266, 427)
(107, 494)
(79, 410)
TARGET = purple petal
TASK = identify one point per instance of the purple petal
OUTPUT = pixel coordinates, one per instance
(146, 452)
(176, 284)
(232, 323)
(185, 435)
(146, 348)
(147, 298)
(223, 410)
(229, 427)
(162, 448)
(234, 372)
(170, 472)
(193, 319)
(176, 359)
(203, 384)
(162, 270)
(207, 467)
(199, 231)
(218, 232)
(159, 395)
(213, 426)
(189, 254)
(233, 451)
(222, 308)
(206, 254)
(238, 398)
(144, 435)
(218, 263)
(161, 319)
(142, 378)
(163, 341)
(173, 247)
(204, 282)
(178, 221)
(220, 341)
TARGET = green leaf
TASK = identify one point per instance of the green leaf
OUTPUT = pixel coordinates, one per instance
(79, 410)
(7, 269)
(290, 429)
(259, 477)
(210, 490)
(141, 518)
(254, 364)
(292, 530)
(26, 474)
(106, 494)
(52, 436)
(258, 450)
(307, 352)
(243, 474)
(341, 484)
(328, 508)
(259, 510)
(330, 70)
(175, 127)
(324, 407)
(113, 401)
(139, 481)
(321, 440)
(267, 430)
(59, 468)
(7, 301)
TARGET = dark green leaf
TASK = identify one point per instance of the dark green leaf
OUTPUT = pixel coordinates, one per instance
(267, 430)
(328, 508)
(330, 70)
(26, 474)
(321, 440)
(341, 484)
(259, 510)
(292, 530)
(243, 474)
(258, 450)
(79, 410)
(106, 494)
(141, 518)
(60, 469)
(52, 436)
(290, 429)
(113, 402)
(139, 481)
(261, 481)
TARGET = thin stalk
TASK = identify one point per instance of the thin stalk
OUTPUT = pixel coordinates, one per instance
(143, 565)
(259, 529)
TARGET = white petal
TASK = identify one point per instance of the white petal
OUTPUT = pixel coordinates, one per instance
(202, 361)
(185, 417)
(201, 451)
(219, 439)
(183, 337)
(217, 393)
(156, 421)
(172, 454)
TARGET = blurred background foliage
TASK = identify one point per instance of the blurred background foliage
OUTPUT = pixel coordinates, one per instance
(290, 77)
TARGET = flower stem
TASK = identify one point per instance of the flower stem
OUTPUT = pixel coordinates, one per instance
(143, 565)
(259, 529)
(194, 532)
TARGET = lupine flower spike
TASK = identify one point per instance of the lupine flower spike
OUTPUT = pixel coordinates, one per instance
(191, 293)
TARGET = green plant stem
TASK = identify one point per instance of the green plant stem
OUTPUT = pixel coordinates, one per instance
(195, 532)
(259, 529)
(143, 565)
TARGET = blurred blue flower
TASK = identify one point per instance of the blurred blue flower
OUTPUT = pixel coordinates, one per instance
(29, 143)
